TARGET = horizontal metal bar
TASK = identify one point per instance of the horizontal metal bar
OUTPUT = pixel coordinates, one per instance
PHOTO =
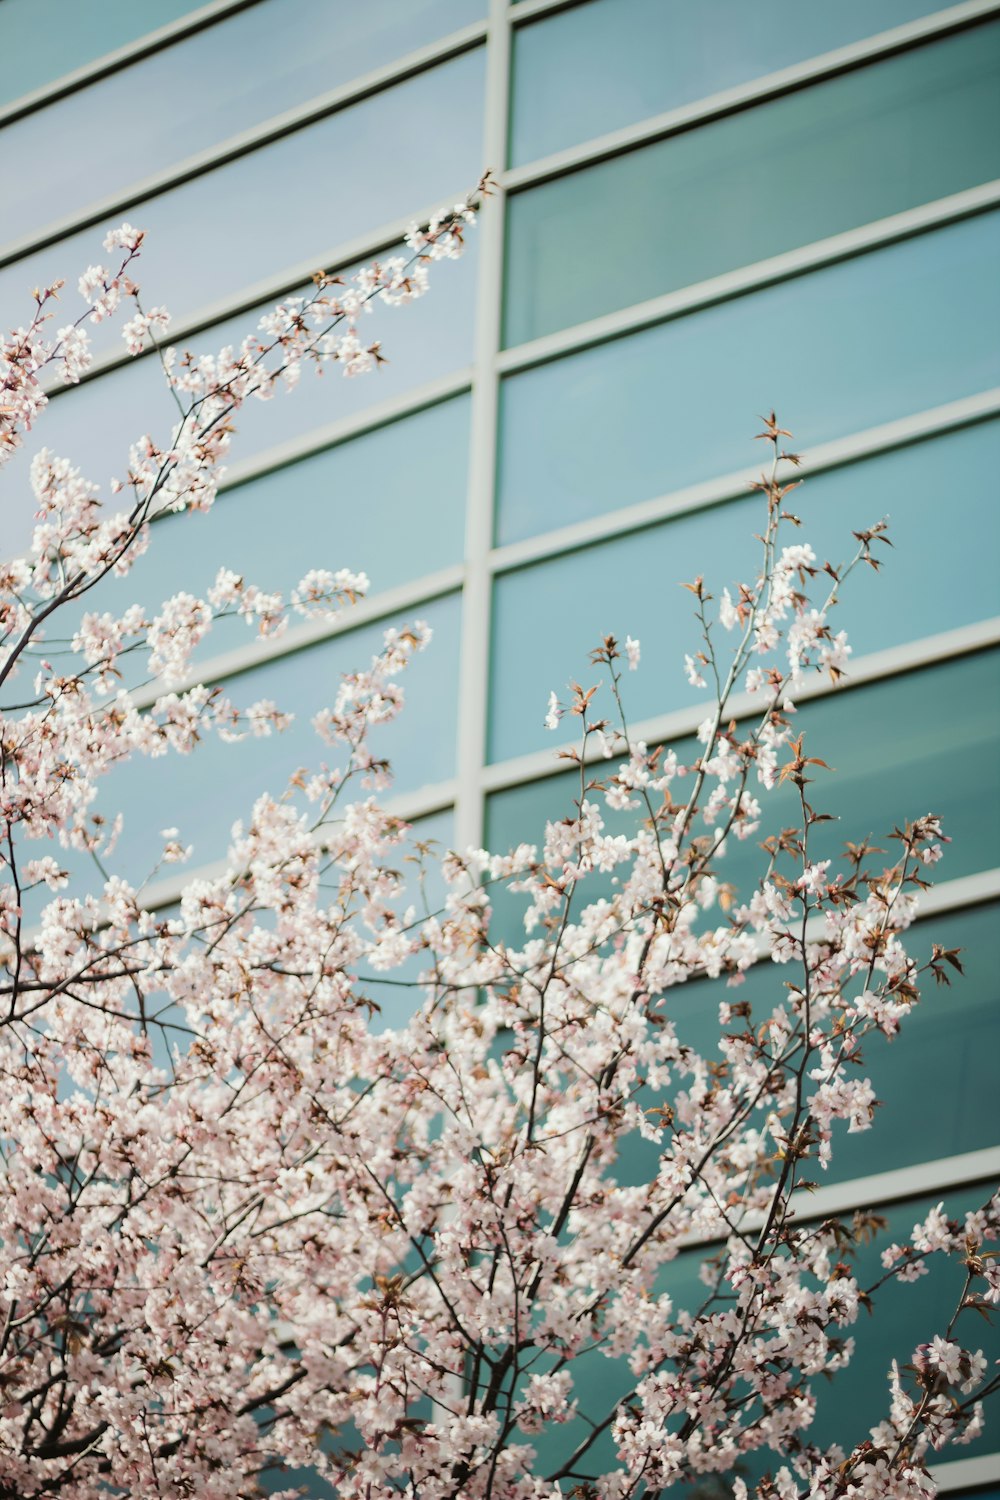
(960, 894)
(122, 57)
(966, 1473)
(247, 141)
(432, 393)
(729, 101)
(409, 806)
(904, 1182)
(269, 289)
(261, 652)
(684, 721)
(837, 247)
(532, 10)
(711, 492)
(880, 1190)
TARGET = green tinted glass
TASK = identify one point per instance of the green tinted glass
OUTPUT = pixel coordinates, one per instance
(894, 332)
(548, 616)
(853, 149)
(246, 69)
(42, 40)
(259, 215)
(607, 63)
(904, 1316)
(924, 742)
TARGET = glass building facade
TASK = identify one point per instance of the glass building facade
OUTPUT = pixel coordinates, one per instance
(706, 210)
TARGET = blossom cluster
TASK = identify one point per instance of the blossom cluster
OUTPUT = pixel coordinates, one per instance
(247, 1229)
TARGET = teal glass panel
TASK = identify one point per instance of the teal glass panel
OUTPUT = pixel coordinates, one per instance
(382, 503)
(924, 742)
(944, 1052)
(867, 341)
(94, 424)
(847, 151)
(204, 793)
(608, 63)
(42, 40)
(247, 68)
(548, 616)
(226, 230)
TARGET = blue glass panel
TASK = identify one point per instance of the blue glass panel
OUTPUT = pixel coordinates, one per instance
(924, 742)
(247, 68)
(42, 40)
(608, 63)
(93, 424)
(845, 152)
(204, 793)
(843, 349)
(382, 503)
(226, 230)
(548, 616)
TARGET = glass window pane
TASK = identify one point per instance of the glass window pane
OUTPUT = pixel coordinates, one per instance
(927, 741)
(204, 793)
(42, 40)
(845, 152)
(382, 503)
(945, 1050)
(230, 228)
(310, 47)
(547, 617)
(608, 63)
(893, 332)
(93, 424)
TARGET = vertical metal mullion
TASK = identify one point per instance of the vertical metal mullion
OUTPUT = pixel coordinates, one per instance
(474, 660)
(474, 669)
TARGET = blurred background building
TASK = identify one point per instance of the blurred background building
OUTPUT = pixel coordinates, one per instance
(710, 209)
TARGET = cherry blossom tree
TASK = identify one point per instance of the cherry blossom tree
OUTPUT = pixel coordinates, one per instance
(247, 1230)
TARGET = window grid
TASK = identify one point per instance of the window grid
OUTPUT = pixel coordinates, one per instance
(122, 57)
(474, 779)
(250, 140)
(532, 174)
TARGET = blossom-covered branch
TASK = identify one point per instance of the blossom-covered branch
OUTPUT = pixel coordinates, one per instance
(247, 1229)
